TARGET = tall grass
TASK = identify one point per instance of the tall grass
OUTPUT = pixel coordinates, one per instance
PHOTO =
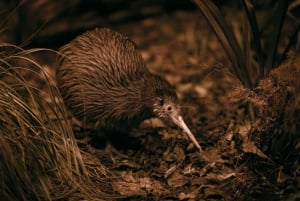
(39, 158)
(253, 58)
(266, 63)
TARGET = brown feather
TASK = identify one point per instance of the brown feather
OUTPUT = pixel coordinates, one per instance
(105, 83)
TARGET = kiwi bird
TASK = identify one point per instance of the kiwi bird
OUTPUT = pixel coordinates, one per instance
(105, 83)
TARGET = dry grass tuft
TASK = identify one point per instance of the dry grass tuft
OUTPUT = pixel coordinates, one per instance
(277, 101)
(39, 158)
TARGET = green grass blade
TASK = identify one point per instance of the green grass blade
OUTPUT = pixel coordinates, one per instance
(248, 7)
(292, 41)
(246, 45)
(226, 38)
(282, 7)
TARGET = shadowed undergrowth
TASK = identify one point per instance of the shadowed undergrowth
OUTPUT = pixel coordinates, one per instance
(39, 158)
(246, 159)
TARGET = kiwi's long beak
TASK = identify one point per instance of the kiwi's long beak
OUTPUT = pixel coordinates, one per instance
(178, 120)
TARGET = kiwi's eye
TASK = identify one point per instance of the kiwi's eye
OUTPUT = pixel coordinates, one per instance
(169, 108)
(161, 102)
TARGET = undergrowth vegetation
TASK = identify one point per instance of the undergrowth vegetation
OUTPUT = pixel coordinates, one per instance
(254, 156)
(39, 158)
(263, 55)
(259, 44)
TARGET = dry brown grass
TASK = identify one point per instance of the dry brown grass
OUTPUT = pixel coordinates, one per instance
(39, 157)
(276, 100)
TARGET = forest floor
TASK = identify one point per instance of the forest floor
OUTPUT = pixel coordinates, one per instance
(156, 162)
(160, 163)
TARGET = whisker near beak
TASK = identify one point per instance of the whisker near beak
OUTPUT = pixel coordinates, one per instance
(181, 124)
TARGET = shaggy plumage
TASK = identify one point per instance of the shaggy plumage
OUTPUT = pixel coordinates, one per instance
(105, 83)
